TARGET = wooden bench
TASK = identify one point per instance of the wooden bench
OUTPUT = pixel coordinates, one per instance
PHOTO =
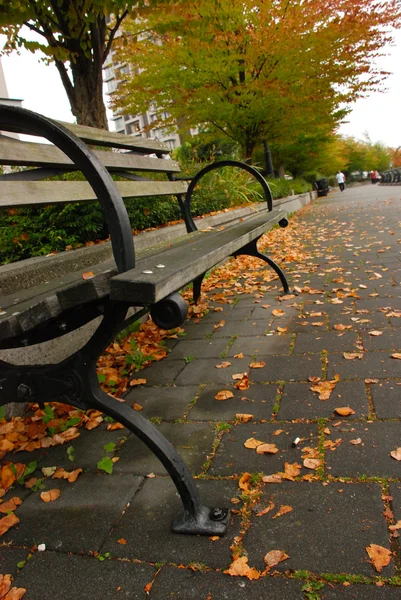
(38, 309)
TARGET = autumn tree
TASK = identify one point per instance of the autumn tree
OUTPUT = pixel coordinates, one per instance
(255, 71)
(76, 36)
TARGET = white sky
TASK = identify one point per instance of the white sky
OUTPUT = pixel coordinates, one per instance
(39, 86)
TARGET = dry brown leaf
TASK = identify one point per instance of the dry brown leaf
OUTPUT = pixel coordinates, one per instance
(137, 382)
(283, 510)
(243, 417)
(7, 522)
(122, 541)
(275, 478)
(258, 365)
(375, 333)
(10, 505)
(5, 584)
(239, 355)
(244, 481)
(50, 495)
(252, 443)
(312, 463)
(353, 355)
(136, 406)
(344, 411)
(243, 384)
(88, 275)
(240, 568)
(282, 329)
(356, 442)
(341, 327)
(274, 557)
(396, 355)
(396, 454)
(238, 376)
(278, 312)
(313, 378)
(291, 470)
(395, 527)
(324, 388)
(266, 449)
(266, 510)
(371, 381)
(223, 365)
(219, 325)
(379, 556)
(224, 395)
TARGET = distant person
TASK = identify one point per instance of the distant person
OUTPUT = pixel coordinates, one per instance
(373, 176)
(341, 180)
(377, 176)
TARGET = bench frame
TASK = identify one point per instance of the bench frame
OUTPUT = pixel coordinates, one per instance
(74, 380)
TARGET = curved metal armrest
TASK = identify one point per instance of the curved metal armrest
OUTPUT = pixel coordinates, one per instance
(21, 120)
(218, 165)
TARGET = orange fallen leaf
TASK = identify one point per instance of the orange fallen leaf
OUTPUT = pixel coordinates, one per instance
(7, 522)
(380, 557)
(50, 495)
(375, 333)
(214, 538)
(396, 355)
(224, 395)
(239, 355)
(137, 382)
(341, 327)
(284, 509)
(275, 478)
(136, 406)
(238, 376)
(148, 587)
(266, 510)
(244, 481)
(291, 470)
(356, 442)
(282, 329)
(11, 505)
(243, 384)
(344, 411)
(312, 463)
(219, 325)
(278, 312)
(252, 443)
(243, 417)
(88, 275)
(240, 568)
(122, 541)
(324, 388)
(258, 365)
(396, 454)
(371, 381)
(266, 449)
(274, 557)
(223, 365)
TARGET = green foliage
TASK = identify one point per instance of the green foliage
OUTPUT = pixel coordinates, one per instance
(105, 463)
(71, 453)
(48, 414)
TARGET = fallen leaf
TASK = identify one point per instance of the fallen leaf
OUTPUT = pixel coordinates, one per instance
(275, 478)
(282, 329)
(223, 365)
(136, 406)
(122, 541)
(88, 275)
(380, 557)
(240, 568)
(219, 325)
(356, 442)
(375, 333)
(266, 510)
(214, 538)
(238, 376)
(396, 355)
(243, 417)
(137, 382)
(239, 355)
(283, 510)
(278, 312)
(252, 443)
(341, 327)
(224, 395)
(291, 470)
(243, 483)
(48, 471)
(396, 526)
(371, 381)
(324, 388)
(10, 505)
(353, 355)
(257, 365)
(50, 495)
(266, 449)
(312, 463)
(396, 454)
(7, 522)
(274, 557)
(243, 384)
(344, 411)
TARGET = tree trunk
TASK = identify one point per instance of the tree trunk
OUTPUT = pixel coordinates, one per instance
(281, 171)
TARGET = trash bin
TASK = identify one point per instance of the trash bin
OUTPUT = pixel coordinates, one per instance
(322, 186)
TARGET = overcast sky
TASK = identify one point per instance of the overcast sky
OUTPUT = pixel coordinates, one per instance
(39, 86)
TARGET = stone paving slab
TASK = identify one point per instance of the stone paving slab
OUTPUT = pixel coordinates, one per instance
(372, 365)
(327, 530)
(146, 527)
(204, 371)
(193, 442)
(288, 368)
(10, 557)
(371, 457)
(183, 584)
(325, 340)
(257, 400)
(361, 592)
(209, 348)
(388, 340)
(232, 456)
(259, 346)
(168, 403)
(299, 402)
(80, 519)
(387, 399)
(51, 575)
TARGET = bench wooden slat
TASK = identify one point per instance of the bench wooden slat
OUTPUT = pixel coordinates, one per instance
(184, 259)
(181, 266)
(15, 152)
(25, 193)
(101, 137)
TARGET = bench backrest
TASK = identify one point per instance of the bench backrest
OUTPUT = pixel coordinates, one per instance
(29, 165)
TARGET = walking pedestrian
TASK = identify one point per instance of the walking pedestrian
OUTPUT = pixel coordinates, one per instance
(341, 180)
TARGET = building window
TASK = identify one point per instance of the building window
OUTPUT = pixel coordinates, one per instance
(119, 123)
(153, 118)
(111, 86)
(170, 144)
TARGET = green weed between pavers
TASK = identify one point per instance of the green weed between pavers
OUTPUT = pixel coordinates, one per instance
(105, 463)
(189, 358)
(312, 589)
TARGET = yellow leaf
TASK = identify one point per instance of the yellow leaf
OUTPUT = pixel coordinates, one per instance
(380, 557)
(344, 411)
(274, 557)
(240, 568)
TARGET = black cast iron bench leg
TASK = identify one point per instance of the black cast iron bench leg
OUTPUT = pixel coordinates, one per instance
(252, 250)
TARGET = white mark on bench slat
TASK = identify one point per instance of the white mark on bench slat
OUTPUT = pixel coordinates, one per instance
(147, 272)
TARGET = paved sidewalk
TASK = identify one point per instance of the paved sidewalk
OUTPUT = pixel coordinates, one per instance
(346, 499)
